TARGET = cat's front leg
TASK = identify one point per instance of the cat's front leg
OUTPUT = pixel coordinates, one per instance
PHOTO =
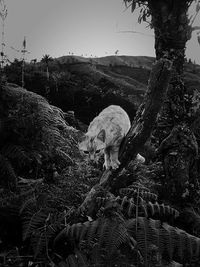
(106, 159)
(114, 162)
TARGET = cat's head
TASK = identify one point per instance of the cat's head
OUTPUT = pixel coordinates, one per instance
(93, 147)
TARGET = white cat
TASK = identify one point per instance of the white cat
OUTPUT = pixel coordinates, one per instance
(105, 134)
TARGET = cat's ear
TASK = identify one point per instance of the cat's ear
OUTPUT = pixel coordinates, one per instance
(102, 135)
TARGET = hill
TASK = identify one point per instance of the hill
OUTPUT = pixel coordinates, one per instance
(131, 61)
(87, 85)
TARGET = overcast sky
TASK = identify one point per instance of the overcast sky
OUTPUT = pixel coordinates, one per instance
(84, 27)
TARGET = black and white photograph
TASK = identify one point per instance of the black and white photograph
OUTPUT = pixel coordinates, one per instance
(99, 133)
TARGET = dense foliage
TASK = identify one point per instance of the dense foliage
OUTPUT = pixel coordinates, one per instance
(48, 179)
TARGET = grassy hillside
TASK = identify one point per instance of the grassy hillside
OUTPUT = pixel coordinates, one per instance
(131, 61)
(87, 85)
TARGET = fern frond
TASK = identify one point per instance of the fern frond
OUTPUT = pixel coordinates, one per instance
(36, 156)
(27, 122)
(190, 220)
(39, 242)
(92, 231)
(44, 118)
(30, 97)
(7, 172)
(117, 235)
(160, 209)
(97, 255)
(63, 264)
(138, 186)
(15, 152)
(147, 209)
(72, 261)
(62, 157)
(133, 192)
(129, 205)
(41, 238)
(81, 259)
(58, 118)
(57, 111)
(33, 220)
(52, 137)
(172, 243)
(33, 129)
(110, 234)
(148, 196)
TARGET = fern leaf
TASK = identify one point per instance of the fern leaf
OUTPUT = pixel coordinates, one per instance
(79, 230)
(134, 192)
(138, 186)
(52, 137)
(92, 231)
(161, 209)
(172, 243)
(117, 236)
(81, 259)
(63, 157)
(97, 255)
(38, 242)
(143, 240)
(108, 233)
(44, 118)
(16, 152)
(29, 206)
(72, 261)
(63, 264)
(33, 221)
(7, 172)
(148, 196)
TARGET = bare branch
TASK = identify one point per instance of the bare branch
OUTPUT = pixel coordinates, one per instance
(146, 34)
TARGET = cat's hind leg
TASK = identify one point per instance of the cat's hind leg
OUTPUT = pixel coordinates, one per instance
(114, 153)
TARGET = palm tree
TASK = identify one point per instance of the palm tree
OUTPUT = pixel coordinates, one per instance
(46, 59)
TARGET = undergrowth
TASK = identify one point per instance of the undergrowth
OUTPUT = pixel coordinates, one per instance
(49, 180)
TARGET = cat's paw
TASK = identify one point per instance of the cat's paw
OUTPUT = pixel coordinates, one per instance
(106, 165)
(115, 164)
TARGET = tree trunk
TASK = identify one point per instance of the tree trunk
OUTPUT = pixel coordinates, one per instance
(178, 145)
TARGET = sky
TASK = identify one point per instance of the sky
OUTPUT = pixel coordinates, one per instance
(83, 27)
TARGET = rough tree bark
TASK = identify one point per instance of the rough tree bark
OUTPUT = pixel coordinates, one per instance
(178, 145)
(140, 131)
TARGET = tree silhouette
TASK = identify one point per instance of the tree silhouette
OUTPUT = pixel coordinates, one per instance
(46, 59)
(3, 15)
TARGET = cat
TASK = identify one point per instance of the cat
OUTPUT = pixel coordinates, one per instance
(104, 136)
